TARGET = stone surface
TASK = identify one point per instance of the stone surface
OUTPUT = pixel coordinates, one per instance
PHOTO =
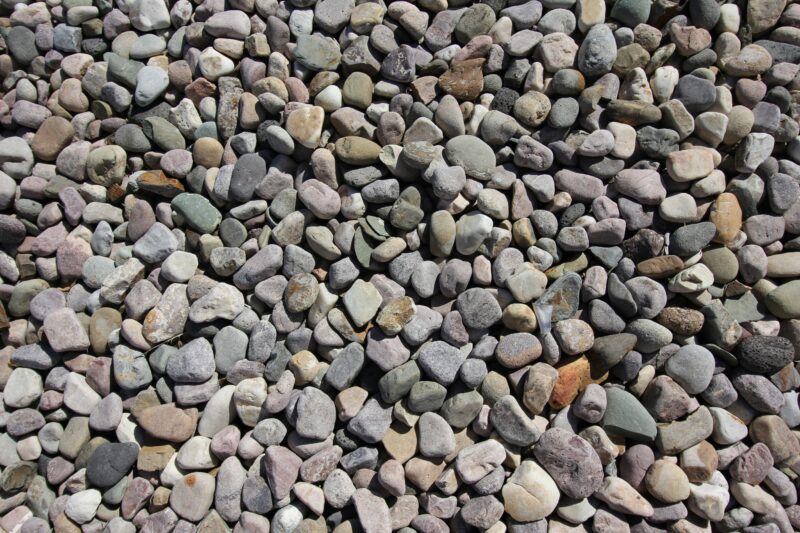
(503, 266)
(571, 461)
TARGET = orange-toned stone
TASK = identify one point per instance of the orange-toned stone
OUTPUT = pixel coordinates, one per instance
(169, 423)
(784, 378)
(782, 443)
(115, 193)
(424, 472)
(573, 377)
(699, 462)
(726, 214)
(79, 363)
(159, 183)
(53, 135)
(465, 80)
(659, 267)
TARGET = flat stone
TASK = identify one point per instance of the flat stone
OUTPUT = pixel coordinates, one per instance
(625, 416)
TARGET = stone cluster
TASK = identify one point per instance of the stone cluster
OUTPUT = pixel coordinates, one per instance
(325, 265)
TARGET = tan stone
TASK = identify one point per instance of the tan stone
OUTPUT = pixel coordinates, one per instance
(667, 482)
(786, 265)
(773, 431)
(530, 493)
(681, 320)
(589, 13)
(400, 442)
(357, 150)
(699, 462)
(365, 16)
(465, 80)
(349, 402)
(207, 152)
(690, 165)
(170, 423)
(154, 458)
(396, 314)
(519, 317)
(424, 472)
(660, 267)
(305, 125)
(304, 365)
(424, 88)
(620, 496)
(726, 214)
(763, 14)
(53, 135)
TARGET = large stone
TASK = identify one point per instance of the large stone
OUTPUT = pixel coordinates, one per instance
(571, 461)
(530, 493)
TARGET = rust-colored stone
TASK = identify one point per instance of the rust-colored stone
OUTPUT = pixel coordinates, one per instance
(116, 193)
(158, 183)
(573, 377)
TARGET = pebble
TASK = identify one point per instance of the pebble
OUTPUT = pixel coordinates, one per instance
(192, 496)
(111, 462)
(530, 494)
(192, 363)
(81, 506)
(667, 482)
(625, 416)
(692, 367)
(512, 423)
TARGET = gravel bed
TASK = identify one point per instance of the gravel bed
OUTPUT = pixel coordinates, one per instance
(324, 265)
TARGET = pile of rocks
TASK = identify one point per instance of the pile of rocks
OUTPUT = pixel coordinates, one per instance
(520, 265)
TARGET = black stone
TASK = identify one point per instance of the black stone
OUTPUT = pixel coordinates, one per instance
(248, 172)
(504, 100)
(645, 244)
(608, 351)
(690, 239)
(110, 463)
(695, 93)
(765, 355)
(571, 214)
(657, 142)
(704, 13)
